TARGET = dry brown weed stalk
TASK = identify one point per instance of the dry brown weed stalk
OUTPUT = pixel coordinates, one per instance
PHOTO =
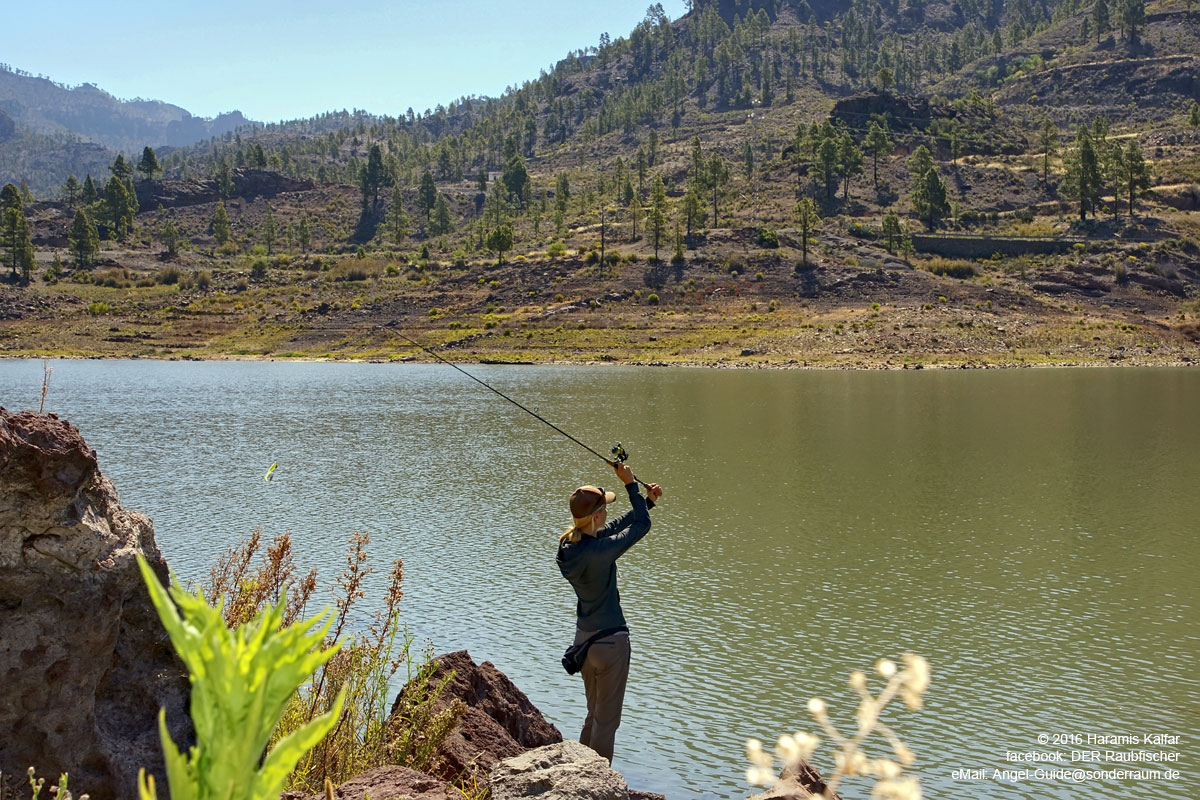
(366, 735)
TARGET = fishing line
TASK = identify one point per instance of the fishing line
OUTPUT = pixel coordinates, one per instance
(618, 451)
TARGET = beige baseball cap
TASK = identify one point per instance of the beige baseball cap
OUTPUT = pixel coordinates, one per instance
(587, 500)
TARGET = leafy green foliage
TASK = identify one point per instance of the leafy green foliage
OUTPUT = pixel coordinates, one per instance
(241, 681)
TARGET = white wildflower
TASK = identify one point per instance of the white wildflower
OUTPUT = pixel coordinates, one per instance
(897, 789)
(903, 753)
(806, 744)
(885, 667)
(787, 749)
(817, 707)
(858, 680)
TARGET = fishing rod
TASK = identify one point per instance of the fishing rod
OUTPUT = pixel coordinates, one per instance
(619, 455)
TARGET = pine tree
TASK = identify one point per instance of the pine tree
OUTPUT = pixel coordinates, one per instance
(500, 239)
(1049, 143)
(26, 192)
(220, 224)
(84, 241)
(850, 162)
(224, 180)
(373, 176)
(1083, 177)
(562, 193)
(427, 194)
(441, 222)
(748, 158)
(149, 163)
(693, 209)
(398, 224)
(71, 190)
(699, 164)
(120, 169)
(1194, 116)
(1133, 176)
(120, 205)
(14, 233)
(877, 144)
(892, 230)
(656, 221)
(1133, 16)
(928, 192)
(168, 234)
(642, 170)
(716, 178)
(919, 162)
(515, 176)
(303, 234)
(809, 221)
(269, 230)
(89, 194)
(827, 162)
(635, 218)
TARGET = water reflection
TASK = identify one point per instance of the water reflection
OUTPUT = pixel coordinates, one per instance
(1031, 533)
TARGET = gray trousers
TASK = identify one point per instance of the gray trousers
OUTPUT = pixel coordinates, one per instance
(605, 673)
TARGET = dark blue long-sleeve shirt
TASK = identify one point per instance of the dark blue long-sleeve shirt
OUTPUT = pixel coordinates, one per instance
(591, 565)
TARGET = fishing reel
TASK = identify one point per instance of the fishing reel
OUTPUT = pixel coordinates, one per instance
(619, 455)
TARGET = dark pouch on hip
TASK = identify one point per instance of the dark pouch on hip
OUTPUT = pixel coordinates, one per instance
(576, 654)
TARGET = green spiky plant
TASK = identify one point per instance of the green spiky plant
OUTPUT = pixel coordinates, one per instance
(241, 681)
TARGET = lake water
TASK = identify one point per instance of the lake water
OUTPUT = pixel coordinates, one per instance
(1032, 533)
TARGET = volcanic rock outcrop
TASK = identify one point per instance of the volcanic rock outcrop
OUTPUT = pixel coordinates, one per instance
(85, 663)
(500, 721)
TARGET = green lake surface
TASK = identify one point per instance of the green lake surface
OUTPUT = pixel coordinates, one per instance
(1032, 533)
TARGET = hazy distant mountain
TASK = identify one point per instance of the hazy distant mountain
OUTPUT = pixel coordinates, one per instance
(42, 106)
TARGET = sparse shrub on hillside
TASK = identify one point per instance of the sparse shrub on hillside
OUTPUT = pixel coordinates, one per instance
(203, 279)
(258, 268)
(556, 250)
(950, 268)
(112, 277)
(168, 276)
(356, 270)
(767, 238)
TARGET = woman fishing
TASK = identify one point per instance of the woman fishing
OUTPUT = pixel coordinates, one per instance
(587, 557)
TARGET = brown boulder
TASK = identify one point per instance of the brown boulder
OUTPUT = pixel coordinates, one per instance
(387, 783)
(85, 664)
(499, 723)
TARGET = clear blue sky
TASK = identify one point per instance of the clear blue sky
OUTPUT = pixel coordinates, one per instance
(274, 60)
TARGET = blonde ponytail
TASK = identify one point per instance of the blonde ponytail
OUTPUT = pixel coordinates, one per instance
(571, 535)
